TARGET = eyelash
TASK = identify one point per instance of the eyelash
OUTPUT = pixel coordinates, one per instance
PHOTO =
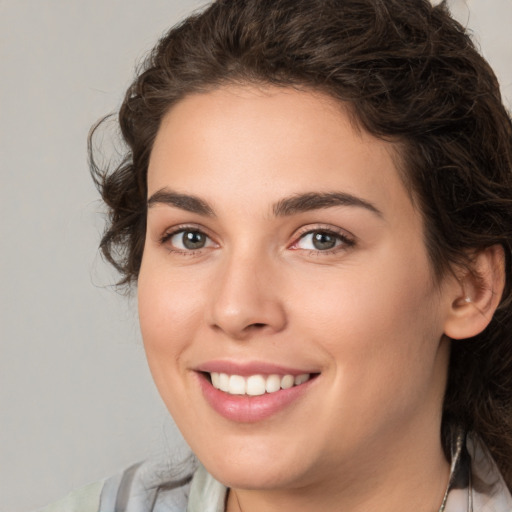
(346, 241)
(168, 235)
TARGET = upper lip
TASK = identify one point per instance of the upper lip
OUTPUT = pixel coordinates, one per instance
(246, 369)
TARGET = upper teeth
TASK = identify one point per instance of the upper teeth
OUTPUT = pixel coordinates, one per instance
(255, 384)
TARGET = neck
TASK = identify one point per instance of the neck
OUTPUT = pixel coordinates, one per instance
(394, 479)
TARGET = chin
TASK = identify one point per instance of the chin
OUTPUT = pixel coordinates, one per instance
(255, 464)
(250, 476)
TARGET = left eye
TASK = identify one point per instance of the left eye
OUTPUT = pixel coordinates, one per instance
(189, 240)
(320, 241)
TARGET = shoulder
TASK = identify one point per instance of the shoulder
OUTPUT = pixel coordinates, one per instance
(490, 492)
(86, 499)
(144, 487)
(149, 486)
(475, 478)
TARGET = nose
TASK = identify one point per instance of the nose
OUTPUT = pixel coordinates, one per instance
(246, 298)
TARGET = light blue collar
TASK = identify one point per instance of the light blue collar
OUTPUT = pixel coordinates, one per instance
(206, 494)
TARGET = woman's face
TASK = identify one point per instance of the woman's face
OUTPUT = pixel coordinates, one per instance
(280, 243)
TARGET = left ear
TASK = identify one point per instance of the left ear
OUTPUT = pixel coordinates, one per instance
(477, 295)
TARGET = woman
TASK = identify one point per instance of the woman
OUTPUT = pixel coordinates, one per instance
(316, 208)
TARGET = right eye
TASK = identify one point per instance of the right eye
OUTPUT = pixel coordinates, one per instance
(187, 240)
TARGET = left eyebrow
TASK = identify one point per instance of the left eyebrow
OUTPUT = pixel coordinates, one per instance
(318, 200)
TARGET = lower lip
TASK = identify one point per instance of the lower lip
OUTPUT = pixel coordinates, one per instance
(250, 409)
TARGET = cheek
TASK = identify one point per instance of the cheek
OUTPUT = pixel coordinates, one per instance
(371, 298)
(170, 306)
(169, 309)
(378, 323)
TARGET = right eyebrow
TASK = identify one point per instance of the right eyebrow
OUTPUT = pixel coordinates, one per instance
(183, 201)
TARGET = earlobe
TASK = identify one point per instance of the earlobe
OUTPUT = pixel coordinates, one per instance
(478, 294)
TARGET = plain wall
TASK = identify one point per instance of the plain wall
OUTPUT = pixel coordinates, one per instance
(76, 399)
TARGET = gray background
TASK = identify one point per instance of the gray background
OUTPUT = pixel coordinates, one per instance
(76, 399)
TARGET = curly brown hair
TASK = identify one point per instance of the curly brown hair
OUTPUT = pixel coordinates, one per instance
(410, 74)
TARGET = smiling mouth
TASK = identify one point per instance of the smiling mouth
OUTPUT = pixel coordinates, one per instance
(255, 385)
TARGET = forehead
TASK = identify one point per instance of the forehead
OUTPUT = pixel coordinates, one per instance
(263, 143)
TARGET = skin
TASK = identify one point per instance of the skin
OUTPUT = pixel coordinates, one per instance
(368, 315)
